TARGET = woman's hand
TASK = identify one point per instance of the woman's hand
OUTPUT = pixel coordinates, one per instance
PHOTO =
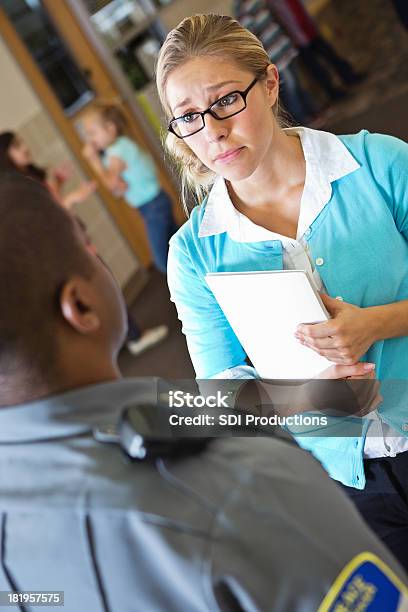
(360, 370)
(346, 337)
(80, 194)
(361, 396)
(63, 171)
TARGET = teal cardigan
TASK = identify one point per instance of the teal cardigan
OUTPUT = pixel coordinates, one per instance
(362, 236)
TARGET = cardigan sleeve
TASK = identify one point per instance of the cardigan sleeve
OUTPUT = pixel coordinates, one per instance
(212, 344)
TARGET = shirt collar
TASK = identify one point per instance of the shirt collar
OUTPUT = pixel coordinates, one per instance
(75, 412)
(327, 160)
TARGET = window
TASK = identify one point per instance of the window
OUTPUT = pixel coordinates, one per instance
(53, 59)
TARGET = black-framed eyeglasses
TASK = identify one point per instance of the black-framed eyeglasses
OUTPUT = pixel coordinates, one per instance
(229, 105)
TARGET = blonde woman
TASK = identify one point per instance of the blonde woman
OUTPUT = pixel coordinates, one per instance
(297, 198)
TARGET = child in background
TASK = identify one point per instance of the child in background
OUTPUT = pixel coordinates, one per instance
(116, 158)
(16, 155)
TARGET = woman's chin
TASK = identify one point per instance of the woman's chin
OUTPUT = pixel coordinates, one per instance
(237, 174)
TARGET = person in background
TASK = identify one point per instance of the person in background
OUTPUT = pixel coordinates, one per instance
(259, 19)
(15, 155)
(240, 524)
(123, 161)
(313, 47)
(280, 199)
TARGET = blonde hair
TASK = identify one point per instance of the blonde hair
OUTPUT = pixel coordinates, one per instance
(109, 113)
(211, 36)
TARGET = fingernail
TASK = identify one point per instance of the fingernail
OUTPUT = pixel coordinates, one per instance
(369, 366)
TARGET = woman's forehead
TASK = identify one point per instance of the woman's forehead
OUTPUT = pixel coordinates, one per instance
(201, 76)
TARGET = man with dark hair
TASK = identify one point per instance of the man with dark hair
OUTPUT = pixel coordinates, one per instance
(248, 524)
(55, 295)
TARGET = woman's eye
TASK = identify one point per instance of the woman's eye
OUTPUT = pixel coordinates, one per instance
(227, 100)
(189, 117)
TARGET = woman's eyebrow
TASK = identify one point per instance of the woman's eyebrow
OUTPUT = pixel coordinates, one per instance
(210, 88)
(218, 85)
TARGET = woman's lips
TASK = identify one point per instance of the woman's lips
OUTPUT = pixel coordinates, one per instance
(228, 156)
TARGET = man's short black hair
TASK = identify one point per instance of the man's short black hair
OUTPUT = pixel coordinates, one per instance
(39, 251)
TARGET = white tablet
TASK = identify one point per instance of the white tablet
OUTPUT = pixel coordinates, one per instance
(264, 309)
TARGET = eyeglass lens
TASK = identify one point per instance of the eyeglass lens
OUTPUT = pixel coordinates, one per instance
(223, 108)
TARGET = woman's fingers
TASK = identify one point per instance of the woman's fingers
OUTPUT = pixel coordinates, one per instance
(337, 357)
(361, 380)
(363, 376)
(317, 343)
(345, 371)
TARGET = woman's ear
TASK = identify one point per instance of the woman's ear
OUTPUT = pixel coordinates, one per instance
(78, 306)
(272, 83)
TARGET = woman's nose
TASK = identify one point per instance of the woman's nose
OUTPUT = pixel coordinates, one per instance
(214, 128)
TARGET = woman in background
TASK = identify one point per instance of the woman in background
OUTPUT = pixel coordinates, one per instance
(16, 155)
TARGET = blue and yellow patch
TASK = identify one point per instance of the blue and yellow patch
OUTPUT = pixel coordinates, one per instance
(366, 584)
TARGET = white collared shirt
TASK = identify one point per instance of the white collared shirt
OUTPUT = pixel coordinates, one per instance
(327, 160)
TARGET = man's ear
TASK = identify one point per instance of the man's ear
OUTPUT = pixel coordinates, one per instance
(78, 306)
(272, 83)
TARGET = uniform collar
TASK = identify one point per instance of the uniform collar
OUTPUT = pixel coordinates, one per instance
(327, 160)
(73, 413)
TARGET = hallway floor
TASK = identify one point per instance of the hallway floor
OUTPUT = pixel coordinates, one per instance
(370, 35)
(170, 358)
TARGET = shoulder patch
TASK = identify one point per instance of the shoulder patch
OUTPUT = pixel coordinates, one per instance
(366, 584)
